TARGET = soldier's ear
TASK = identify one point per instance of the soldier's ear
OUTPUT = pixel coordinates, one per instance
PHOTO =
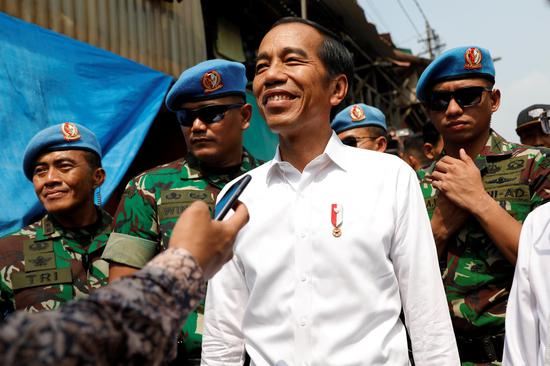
(246, 115)
(98, 177)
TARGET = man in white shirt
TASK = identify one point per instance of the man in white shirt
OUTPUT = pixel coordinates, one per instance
(528, 312)
(332, 252)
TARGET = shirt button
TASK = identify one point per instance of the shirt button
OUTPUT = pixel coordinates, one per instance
(302, 235)
(303, 322)
(303, 278)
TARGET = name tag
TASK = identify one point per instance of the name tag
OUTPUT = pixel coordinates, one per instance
(21, 280)
(167, 211)
(516, 193)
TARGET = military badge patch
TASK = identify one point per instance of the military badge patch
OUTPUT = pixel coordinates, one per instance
(357, 114)
(472, 58)
(70, 131)
(211, 81)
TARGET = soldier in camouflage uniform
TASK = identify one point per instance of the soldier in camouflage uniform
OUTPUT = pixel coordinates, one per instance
(477, 196)
(209, 100)
(58, 258)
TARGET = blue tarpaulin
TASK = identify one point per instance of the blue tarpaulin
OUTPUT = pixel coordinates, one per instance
(47, 78)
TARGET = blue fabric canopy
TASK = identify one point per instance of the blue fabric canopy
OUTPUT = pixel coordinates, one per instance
(47, 78)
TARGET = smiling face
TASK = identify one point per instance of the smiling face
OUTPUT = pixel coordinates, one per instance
(218, 144)
(64, 182)
(465, 125)
(291, 84)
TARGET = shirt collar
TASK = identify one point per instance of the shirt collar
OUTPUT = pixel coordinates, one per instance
(334, 151)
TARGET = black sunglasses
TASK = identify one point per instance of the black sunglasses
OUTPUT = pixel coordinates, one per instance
(353, 140)
(464, 97)
(209, 114)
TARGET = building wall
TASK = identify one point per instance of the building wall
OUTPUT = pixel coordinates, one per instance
(166, 36)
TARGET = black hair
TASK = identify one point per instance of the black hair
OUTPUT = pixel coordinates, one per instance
(332, 52)
(414, 145)
(430, 134)
(377, 131)
(93, 160)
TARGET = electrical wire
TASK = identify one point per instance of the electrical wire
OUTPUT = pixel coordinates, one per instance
(409, 18)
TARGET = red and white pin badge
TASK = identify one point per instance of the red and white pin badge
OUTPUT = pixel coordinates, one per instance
(70, 131)
(336, 217)
(211, 81)
(356, 113)
(473, 58)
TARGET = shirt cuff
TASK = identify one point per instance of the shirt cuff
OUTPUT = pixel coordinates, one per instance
(129, 250)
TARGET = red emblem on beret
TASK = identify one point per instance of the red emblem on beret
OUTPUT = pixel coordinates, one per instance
(211, 80)
(70, 131)
(357, 114)
(473, 58)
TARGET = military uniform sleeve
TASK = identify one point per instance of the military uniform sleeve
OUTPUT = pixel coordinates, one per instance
(134, 321)
(135, 237)
(415, 263)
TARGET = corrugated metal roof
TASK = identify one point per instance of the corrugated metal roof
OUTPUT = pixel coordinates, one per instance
(164, 36)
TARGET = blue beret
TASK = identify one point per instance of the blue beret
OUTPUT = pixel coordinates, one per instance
(207, 80)
(358, 115)
(64, 136)
(457, 63)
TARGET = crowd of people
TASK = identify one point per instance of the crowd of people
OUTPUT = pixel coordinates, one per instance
(338, 254)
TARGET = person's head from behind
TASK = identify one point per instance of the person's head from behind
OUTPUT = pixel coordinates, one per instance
(457, 89)
(362, 126)
(433, 142)
(209, 100)
(533, 125)
(413, 152)
(64, 164)
(302, 74)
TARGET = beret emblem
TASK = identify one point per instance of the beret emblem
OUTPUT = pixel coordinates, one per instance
(70, 131)
(211, 80)
(472, 58)
(356, 113)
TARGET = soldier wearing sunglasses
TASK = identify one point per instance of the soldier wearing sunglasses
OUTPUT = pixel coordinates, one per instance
(362, 126)
(477, 194)
(534, 125)
(209, 102)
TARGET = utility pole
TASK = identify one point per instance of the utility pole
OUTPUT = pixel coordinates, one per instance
(433, 43)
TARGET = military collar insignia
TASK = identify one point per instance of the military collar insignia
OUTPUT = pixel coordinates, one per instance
(211, 81)
(472, 58)
(357, 114)
(70, 131)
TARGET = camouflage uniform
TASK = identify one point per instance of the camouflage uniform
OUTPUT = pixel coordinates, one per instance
(44, 265)
(149, 209)
(476, 276)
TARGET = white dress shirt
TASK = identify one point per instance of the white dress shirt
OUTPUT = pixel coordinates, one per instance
(296, 294)
(528, 312)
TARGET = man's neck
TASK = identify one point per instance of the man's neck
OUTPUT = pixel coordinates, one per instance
(472, 148)
(300, 149)
(75, 220)
(227, 162)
